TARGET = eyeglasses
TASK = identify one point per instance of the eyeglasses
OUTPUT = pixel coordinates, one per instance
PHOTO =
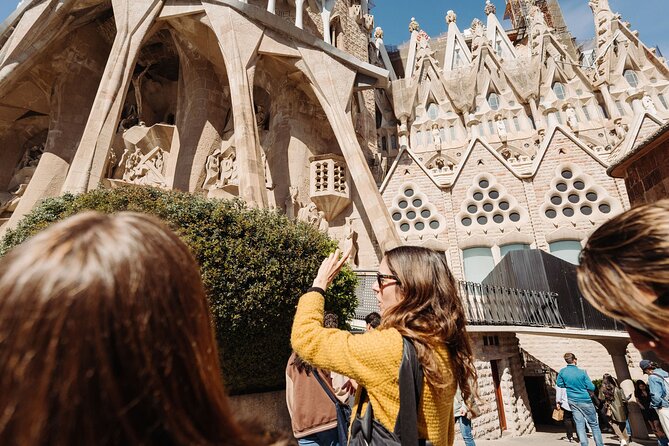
(380, 277)
(638, 327)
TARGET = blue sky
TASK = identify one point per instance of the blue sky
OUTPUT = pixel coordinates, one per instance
(647, 16)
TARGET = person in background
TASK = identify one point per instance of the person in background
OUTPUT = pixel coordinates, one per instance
(659, 391)
(373, 320)
(615, 407)
(562, 402)
(463, 419)
(106, 339)
(343, 387)
(624, 273)
(578, 386)
(642, 395)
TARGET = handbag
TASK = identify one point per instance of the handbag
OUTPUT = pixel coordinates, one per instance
(595, 401)
(558, 414)
(367, 431)
(343, 411)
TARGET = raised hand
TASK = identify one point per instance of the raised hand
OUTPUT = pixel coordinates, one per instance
(330, 268)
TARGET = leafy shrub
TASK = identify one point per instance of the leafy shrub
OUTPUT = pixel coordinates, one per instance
(254, 263)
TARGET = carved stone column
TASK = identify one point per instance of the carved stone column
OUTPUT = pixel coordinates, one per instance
(536, 116)
(332, 84)
(239, 51)
(608, 101)
(133, 21)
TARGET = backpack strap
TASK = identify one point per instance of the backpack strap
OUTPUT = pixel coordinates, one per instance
(411, 390)
(325, 387)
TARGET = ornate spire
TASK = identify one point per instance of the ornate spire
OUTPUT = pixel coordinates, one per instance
(489, 8)
(413, 25)
(451, 17)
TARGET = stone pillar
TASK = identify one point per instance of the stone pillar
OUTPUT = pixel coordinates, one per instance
(608, 102)
(551, 114)
(332, 83)
(637, 105)
(133, 21)
(536, 116)
(299, 13)
(617, 348)
(238, 50)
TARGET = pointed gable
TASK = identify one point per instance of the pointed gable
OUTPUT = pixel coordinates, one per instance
(497, 36)
(457, 53)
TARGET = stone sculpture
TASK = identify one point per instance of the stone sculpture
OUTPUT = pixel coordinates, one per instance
(221, 168)
(501, 129)
(436, 137)
(648, 104)
(351, 242)
(572, 121)
(291, 202)
(148, 170)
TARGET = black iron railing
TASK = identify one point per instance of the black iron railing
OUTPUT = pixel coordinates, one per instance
(484, 304)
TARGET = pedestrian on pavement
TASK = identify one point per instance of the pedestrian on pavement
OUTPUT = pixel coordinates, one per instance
(624, 273)
(418, 298)
(642, 395)
(562, 402)
(107, 339)
(579, 388)
(658, 385)
(614, 407)
(463, 418)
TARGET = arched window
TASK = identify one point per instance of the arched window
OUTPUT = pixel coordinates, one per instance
(558, 89)
(493, 101)
(631, 78)
(432, 111)
(478, 263)
(504, 250)
(567, 250)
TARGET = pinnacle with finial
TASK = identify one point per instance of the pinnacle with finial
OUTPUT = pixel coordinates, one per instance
(451, 17)
(489, 8)
(413, 25)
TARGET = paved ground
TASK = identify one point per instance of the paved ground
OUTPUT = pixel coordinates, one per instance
(547, 439)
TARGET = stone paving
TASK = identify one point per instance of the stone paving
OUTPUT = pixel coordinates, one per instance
(547, 439)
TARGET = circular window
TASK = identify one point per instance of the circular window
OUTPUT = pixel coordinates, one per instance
(580, 185)
(561, 187)
(465, 222)
(472, 208)
(425, 213)
(568, 212)
(556, 199)
(574, 198)
(417, 202)
(484, 184)
(504, 205)
(408, 192)
(604, 208)
(405, 227)
(494, 194)
(567, 174)
(478, 196)
(403, 204)
(482, 220)
(550, 213)
(411, 215)
(498, 218)
(434, 224)
(488, 207)
(397, 216)
(591, 196)
(514, 217)
(420, 226)
(586, 210)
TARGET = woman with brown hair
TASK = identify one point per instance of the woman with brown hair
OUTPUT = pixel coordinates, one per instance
(624, 273)
(418, 298)
(106, 339)
(614, 407)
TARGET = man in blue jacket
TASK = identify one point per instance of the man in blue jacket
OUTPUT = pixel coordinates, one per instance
(578, 385)
(659, 393)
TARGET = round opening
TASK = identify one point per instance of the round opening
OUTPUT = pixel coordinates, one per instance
(484, 184)
(498, 218)
(408, 192)
(465, 222)
(574, 198)
(591, 196)
(586, 210)
(420, 226)
(550, 213)
(434, 224)
(604, 208)
(411, 215)
(580, 185)
(472, 208)
(417, 202)
(567, 174)
(405, 227)
(504, 205)
(397, 216)
(482, 220)
(555, 199)
(494, 194)
(562, 187)
(478, 196)
(403, 204)
(425, 213)
(488, 207)
(568, 212)
(514, 217)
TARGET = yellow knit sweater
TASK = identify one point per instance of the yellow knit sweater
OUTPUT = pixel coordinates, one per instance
(373, 360)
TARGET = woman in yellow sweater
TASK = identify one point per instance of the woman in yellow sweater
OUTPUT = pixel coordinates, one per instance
(418, 298)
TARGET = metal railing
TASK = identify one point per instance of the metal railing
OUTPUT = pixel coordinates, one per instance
(484, 304)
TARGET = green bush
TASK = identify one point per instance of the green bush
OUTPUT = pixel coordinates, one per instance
(255, 264)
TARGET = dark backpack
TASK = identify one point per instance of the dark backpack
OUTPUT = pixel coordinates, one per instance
(343, 411)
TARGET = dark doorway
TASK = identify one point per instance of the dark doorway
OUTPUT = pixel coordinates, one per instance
(540, 402)
(498, 395)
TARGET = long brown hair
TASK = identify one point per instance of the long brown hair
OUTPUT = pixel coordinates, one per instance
(431, 314)
(626, 259)
(106, 338)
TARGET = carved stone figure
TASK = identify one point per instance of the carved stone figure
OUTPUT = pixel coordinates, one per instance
(351, 242)
(451, 17)
(620, 131)
(479, 35)
(436, 137)
(31, 157)
(148, 169)
(501, 129)
(11, 204)
(413, 25)
(378, 34)
(312, 216)
(269, 184)
(648, 104)
(291, 201)
(572, 122)
(489, 8)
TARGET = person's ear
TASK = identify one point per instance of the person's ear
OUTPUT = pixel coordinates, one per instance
(641, 341)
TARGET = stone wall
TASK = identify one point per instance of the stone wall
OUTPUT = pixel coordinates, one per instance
(647, 178)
